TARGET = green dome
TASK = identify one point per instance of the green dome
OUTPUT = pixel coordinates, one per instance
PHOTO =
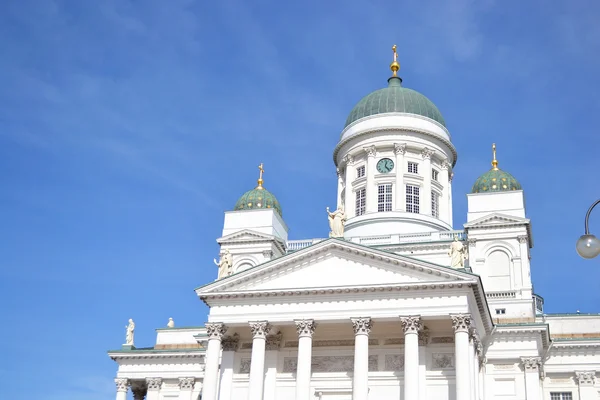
(257, 198)
(395, 98)
(495, 180)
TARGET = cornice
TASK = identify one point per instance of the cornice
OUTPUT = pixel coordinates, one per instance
(156, 355)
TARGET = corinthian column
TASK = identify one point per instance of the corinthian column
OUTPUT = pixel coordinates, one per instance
(411, 325)
(260, 330)
(186, 387)
(230, 344)
(360, 384)
(371, 189)
(462, 324)
(586, 380)
(122, 387)
(305, 328)
(531, 366)
(154, 385)
(215, 332)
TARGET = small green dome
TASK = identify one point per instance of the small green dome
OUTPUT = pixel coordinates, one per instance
(395, 98)
(257, 198)
(495, 180)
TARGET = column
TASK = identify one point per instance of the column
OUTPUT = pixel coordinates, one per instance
(122, 387)
(524, 255)
(478, 348)
(186, 388)
(449, 200)
(472, 366)
(371, 189)
(445, 199)
(154, 385)
(230, 345)
(360, 384)
(139, 390)
(349, 197)
(426, 195)
(411, 326)
(340, 187)
(399, 196)
(215, 332)
(305, 329)
(423, 340)
(272, 351)
(461, 324)
(531, 366)
(586, 379)
(259, 329)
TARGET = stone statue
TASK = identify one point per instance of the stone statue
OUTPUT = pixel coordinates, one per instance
(171, 323)
(458, 254)
(129, 335)
(225, 264)
(336, 222)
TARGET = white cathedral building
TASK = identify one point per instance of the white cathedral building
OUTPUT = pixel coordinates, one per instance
(395, 304)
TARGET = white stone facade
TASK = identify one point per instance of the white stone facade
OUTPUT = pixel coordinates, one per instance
(378, 314)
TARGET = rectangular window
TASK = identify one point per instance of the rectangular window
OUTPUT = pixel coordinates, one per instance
(360, 171)
(361, 201)
(384, 197)
(412, 199)
(435, 205)
(413, 167)
(500, 311)
(561, 396)
(434, 175)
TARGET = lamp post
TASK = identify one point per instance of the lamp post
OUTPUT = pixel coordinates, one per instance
(588, 246)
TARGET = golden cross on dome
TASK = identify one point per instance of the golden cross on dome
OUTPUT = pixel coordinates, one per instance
(260, 177)
(395, 65)
(494, 161)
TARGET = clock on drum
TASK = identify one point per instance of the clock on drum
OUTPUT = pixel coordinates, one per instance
(385, 165)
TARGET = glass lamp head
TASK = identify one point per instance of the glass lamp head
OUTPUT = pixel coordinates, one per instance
(588, 246)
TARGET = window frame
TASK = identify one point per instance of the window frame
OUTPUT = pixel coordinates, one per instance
(360, 169)
(413, 200)
(414, 166)
(561, 395)
(385, 197)
(435, 204)
(435, 175)
(360, 202)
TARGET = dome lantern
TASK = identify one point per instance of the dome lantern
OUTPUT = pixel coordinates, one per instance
(495, 180)
(258, 198)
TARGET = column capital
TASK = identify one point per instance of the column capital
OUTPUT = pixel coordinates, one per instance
(260, 329)
(411, 324)
(531, 364)
(305, 327)
(122, 384)
(154, 383)
(370, 150)
(187, 383)
(215, 330)
(426, 153)
(362, 325)
(523, 239)
(231, 342)
(472, 242)
(586, 378)
(338, 172)
(348, 159)
(461, 322)
(274, 341)
(445, 165)
(399, 148)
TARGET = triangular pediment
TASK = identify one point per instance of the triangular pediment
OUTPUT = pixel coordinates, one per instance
(246, 235)
(496, 219)
(336, 263)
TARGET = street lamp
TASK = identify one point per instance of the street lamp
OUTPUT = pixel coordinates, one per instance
(588, 246)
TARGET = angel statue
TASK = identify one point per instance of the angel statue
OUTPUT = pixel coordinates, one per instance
(458, 254)
(336, 222)
(225, 264)
(129, 333)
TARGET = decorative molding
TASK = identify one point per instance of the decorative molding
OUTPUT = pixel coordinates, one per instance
(215, 330)
(329, 364)
(187, 383)
(586, 378)
(362, 326)
(444, 165)
(371, 151)
(424, 336)
(504, 367)
(122, 384)
(260, 329)
(348, 159)
(305, 327)
(245, 365)
(461, 322)
(394, 341)
(531, 364)
(331, 343)
(411, 324)
(231, 342)
(394, 362)
(338, 172)
(523, 239)
(450, 177)
(274, 341)
(400, 148)
(268, 254)
(472, 242)
(154, 383)
(442, 361)
(442, 340)
(426, 153)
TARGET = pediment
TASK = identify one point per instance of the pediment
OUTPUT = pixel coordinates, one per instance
(246, 235)
(497, 219)
(335, 263)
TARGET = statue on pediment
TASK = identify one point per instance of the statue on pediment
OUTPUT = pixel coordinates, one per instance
(225, 264)
(130, 328)
(337, 219)
(458, 254)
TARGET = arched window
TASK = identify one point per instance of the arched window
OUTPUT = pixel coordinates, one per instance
(497, 269)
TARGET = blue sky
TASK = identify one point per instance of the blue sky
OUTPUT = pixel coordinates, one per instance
(127, 128)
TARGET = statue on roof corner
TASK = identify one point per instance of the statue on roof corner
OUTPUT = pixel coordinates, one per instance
(336, 222)
(129, 333)
(225, 264)
(458, 254)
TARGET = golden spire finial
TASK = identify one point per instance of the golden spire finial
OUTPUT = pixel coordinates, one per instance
(260, 178)
(494, 161)
(395, 65)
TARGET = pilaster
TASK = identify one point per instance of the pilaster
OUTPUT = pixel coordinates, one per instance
(586, 380)
(272, 345)
(186, 388)
(154, 385)
(445, 198)
(230, 344)
(349, 196)
(399, 196)
(531, 367)
(426, 197)
(371, 189)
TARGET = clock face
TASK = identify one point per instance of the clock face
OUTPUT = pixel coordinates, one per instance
(385, 165)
